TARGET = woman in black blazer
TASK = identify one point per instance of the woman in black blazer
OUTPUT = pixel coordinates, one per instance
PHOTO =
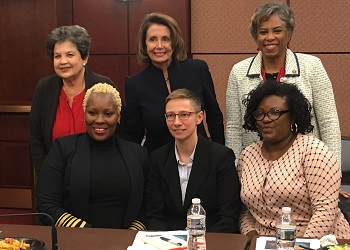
(160, 47)
(95, 179)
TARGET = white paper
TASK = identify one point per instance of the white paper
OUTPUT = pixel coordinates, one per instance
(151, 240)
(269, 243)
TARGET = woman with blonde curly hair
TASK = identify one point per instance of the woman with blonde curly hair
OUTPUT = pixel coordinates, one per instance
(95, 179)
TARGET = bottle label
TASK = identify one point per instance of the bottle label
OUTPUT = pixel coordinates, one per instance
(285, 234)
(196, 223)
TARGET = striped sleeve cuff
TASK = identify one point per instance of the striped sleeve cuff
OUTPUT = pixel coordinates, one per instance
(137, 225)
(68, 220)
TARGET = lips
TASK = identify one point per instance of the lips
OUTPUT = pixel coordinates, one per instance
(270, 46)
(100, 130)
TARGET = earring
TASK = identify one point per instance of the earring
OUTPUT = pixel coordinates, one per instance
(84, 64)
(296, 128)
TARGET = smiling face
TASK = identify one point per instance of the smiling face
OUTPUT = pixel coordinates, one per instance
(101, 116)
(158, 43)
(278, 130)
(183, 129)
(67, 61)
(273, 38)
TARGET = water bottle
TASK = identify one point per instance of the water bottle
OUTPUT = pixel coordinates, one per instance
(196, 226)
(285, 230)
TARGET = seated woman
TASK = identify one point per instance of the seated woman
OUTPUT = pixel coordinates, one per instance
(287, 167)
(95, 179)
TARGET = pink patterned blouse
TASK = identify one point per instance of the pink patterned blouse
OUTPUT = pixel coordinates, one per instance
(306, 178)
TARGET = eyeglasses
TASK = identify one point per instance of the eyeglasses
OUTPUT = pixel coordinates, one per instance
(183, 115)
(273, 114)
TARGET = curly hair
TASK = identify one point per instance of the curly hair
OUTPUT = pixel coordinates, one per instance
(300, 107)
(74, 34)
(105, 88)
(177, 42)
(265, 11)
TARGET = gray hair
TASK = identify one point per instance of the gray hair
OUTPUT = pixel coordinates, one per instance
(74, 34)
(265, 11)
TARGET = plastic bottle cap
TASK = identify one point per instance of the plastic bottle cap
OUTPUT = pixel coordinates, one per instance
(286, 210)
(196, 201)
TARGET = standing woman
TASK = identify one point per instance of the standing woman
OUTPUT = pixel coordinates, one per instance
(161, 48)
(272, 27)
(57, 103)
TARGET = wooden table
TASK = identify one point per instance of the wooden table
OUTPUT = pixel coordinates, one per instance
(107, 239)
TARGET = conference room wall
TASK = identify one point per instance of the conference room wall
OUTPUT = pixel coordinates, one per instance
(220, 36)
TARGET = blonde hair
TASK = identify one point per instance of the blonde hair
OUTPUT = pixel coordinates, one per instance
(185, 94)
(104, 88)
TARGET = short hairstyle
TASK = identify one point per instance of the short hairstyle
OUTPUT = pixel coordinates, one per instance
(74, 34)
(104, 88)
(265, 11)
(185, 94)
(177, 42)
(300, 108)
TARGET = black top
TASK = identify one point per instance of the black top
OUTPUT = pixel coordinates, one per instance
(109, 184)
(145, 95)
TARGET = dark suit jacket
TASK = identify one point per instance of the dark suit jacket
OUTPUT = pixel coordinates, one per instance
(63, 184)
(43, 113)
(145, 95)
(213, 179)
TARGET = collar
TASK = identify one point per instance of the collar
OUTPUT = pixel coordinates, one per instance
(191, 156)
(292, 67)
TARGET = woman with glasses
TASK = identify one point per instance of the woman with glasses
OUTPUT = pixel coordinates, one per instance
(287, 167)
(191, 167)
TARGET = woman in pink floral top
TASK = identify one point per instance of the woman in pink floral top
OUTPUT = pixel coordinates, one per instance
(287, 167)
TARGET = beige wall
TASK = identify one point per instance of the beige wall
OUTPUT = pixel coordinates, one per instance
(220, 36)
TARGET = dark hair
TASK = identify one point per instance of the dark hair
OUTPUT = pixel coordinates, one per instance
(75, 34)
(177, 42)
(265, 11)
(185, 94)
(300, 108)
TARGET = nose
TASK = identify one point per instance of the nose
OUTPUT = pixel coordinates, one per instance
(63, 59)
(270, 36)
(99, 119)
(177, 120)
(159, 44)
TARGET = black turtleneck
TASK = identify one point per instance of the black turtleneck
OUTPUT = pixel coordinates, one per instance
(109, 184)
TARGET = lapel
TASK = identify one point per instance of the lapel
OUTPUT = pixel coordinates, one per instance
(200, 169)
(170, 174)
(254, 69)
(134, 167)
(80, 177)
(292, 64)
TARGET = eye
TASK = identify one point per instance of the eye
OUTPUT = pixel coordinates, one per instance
(109, 114)
(91, 112)
(278, 31)
(166, 39)
(170, 116)
(275, 112)
(262, 32)
(57, 56)
(184, 115)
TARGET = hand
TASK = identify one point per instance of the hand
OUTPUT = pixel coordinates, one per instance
(343, 193)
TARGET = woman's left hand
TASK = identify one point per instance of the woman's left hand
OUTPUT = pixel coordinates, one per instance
(343, 193)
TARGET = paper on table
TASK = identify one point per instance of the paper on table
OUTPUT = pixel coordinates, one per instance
(152, 240)
(269, 243)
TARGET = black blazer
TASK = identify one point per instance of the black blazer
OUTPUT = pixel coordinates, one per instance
(43, 113)
(213, 179)
(67, 169)
(145, 95)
